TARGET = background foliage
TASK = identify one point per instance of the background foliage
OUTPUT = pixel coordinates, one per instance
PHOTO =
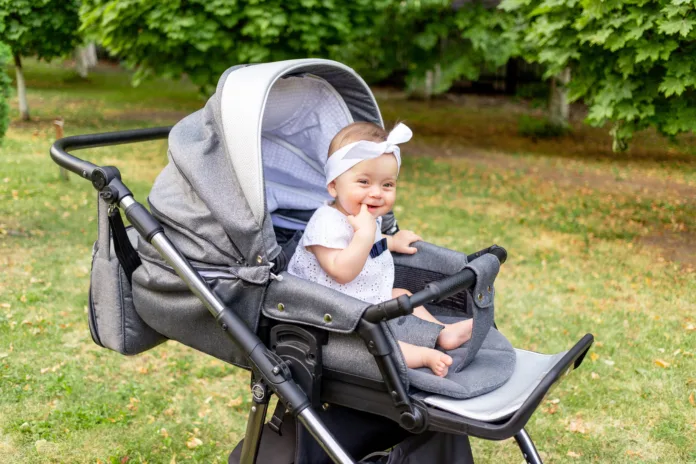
(453, 39)
(379, 38)
(633, 61)
(42, 28)
(202, 38)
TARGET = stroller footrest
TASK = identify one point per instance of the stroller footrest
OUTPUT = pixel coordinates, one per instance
(502, 403)
(502, 413)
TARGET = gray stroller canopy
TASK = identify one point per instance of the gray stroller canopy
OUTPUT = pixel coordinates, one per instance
(258, 146)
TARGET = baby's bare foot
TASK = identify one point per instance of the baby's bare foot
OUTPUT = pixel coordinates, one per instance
(437, 361)
(454, 335)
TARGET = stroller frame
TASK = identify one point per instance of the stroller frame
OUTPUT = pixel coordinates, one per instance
(270, 371)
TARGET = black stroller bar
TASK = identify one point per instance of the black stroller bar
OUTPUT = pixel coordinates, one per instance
(76, 142)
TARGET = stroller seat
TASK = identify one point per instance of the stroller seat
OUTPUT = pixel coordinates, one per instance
(244, 171)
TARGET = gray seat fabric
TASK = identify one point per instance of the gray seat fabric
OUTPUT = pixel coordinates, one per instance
(492, 366)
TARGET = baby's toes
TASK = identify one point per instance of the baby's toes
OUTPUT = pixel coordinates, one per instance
(446, 359)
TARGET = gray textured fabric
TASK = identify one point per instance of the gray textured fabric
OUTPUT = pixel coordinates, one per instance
(492, 367)
(483, 294)
(432, 258)
(416, 331)
(166, 304)
(114, 323)
(347, 353)
(297, 300)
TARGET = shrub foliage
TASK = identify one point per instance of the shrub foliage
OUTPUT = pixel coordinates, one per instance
(633, 61)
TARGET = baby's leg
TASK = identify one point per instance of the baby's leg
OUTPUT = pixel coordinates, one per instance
(420, 356)
(452, 336)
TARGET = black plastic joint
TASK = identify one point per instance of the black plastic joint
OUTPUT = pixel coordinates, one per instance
(102, 176)
(143, 221)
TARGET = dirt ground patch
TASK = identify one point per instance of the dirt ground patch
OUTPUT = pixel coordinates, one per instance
(678, 247)
(605, 182)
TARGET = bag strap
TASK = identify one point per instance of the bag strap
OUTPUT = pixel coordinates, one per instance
(276, 422)
(103, 246)
(123, 248)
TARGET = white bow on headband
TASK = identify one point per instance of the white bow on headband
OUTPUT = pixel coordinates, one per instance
(346, 157)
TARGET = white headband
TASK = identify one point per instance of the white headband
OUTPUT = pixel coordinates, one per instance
(346, 157)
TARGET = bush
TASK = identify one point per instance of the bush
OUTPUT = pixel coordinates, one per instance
(542, 128)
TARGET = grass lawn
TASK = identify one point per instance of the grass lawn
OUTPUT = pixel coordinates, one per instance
(597, 244)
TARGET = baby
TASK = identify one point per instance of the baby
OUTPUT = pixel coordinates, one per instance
(342, 246)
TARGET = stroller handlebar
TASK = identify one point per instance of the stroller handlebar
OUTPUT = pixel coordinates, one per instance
(83, 168)
(433, 292)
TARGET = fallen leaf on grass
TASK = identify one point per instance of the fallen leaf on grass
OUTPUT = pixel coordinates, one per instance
(594, 376)
(52, 369)
(577, 426)
(164, 432)
(594, 356)
(634, 453)
(661, 363)
(573, 454)
(692, 400)
(690, 327)
(234, 402)
(193, 442)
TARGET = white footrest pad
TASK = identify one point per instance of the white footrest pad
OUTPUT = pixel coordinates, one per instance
(530, 369)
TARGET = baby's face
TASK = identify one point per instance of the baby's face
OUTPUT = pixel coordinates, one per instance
(371, 182)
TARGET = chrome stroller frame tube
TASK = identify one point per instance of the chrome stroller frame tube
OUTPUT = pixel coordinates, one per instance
(107, 180)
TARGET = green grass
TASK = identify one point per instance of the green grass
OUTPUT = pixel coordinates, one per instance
(578, 226)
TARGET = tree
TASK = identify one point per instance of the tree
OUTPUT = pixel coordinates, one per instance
(202, 38)
(632, 61)
(432, 42)
(4, 89)
(43, 28)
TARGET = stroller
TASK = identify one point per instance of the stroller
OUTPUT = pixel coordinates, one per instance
(244, 175)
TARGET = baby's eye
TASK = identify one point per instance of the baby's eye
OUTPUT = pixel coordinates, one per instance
(363, 181)
(389, 185)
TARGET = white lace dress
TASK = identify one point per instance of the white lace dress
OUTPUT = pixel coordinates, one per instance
(330, 228)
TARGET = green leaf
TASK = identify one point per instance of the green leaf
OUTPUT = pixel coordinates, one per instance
(678, 25)
(672, 86)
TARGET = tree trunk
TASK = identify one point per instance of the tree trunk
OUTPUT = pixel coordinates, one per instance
(21, 89)
(559, 110)
(85, 58)
(81, 65)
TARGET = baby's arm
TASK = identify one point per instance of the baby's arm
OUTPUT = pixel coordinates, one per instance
(344, 265)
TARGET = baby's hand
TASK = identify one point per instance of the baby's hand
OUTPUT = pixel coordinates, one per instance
(401, 241)
(363, 221)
